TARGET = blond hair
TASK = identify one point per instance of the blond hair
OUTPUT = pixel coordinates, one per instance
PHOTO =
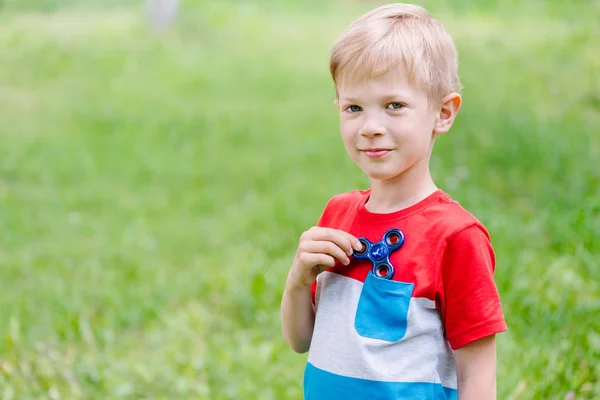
(398, 35)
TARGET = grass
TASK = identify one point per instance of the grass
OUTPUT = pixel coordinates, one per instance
(152, 191)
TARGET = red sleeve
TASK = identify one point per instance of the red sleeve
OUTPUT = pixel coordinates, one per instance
(320, 223)
(469, 299)
(335, 210)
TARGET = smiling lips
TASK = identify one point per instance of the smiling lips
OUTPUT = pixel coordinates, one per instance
(376, 152)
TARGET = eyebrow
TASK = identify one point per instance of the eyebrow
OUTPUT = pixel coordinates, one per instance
(387, 97)
(349, 99)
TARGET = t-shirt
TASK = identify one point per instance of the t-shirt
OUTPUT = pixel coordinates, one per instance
(377, 338)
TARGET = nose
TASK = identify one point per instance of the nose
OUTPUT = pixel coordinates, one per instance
(371, 127)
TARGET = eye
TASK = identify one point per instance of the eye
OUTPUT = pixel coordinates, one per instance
(353, 108)
(395, 106)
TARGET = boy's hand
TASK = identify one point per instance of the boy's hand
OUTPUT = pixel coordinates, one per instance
(318, 249)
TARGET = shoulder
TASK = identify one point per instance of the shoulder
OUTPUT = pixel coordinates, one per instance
(342, 205)
(464, 238)
(347, 199)
(453, 221)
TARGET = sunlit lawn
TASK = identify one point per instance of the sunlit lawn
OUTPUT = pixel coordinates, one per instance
(152, 191)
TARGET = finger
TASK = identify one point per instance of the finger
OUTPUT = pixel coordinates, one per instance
(343, 239)
(314, 259)
(326, 247)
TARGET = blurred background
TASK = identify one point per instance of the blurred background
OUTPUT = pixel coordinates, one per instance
(155, 178)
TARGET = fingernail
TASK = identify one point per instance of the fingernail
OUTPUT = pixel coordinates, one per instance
(358, 245)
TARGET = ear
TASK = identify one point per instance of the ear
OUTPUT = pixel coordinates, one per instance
(448, 110)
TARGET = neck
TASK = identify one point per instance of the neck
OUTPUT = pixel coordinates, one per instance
(402, 191)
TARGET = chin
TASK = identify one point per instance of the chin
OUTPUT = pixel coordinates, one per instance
(382, 175)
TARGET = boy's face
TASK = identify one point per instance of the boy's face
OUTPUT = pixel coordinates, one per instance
(387, 124)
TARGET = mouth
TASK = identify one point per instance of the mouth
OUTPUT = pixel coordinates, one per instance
(375, 152)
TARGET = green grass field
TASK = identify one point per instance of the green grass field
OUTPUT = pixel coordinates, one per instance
(152, 190)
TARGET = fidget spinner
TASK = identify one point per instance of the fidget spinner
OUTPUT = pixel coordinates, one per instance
(379, 253)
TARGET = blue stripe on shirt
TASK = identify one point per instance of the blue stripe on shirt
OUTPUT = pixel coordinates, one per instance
(323, 385)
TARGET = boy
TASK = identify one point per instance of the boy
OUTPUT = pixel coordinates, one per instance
(427, 331)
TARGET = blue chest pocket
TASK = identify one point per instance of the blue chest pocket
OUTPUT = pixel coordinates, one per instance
(382, 310)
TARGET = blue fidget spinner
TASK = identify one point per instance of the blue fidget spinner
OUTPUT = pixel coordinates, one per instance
(379, 253)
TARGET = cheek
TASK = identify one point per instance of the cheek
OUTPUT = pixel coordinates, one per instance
(347, 134)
